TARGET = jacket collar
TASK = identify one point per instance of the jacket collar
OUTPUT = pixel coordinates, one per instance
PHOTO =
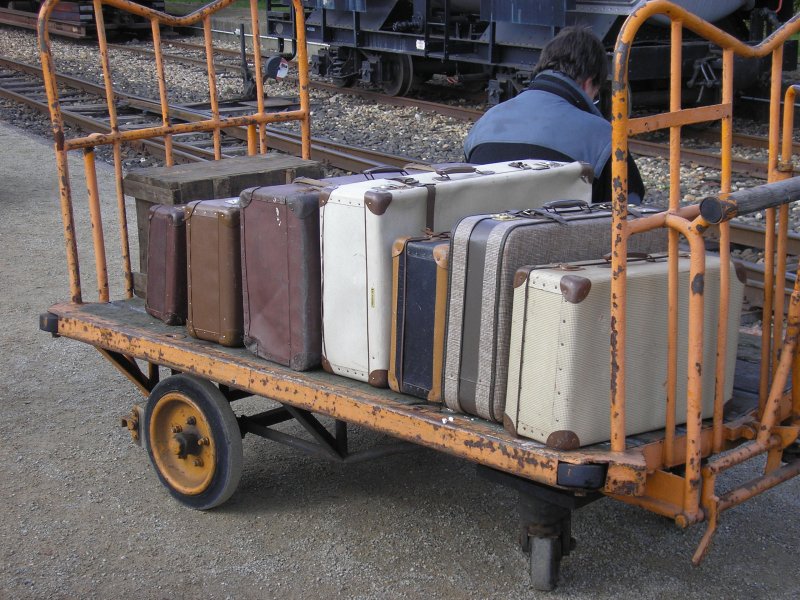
(563, 86)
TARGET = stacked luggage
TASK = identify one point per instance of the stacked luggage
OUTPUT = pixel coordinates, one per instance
(431, 283)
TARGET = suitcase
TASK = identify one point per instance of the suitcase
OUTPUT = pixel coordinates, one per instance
(360, 222)
(419, 304)
(486, 252)
(214, 271)
(559, 368)
(166, 250)
(183, 183)
(281, 269)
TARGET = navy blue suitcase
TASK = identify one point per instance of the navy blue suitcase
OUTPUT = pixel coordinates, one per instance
(419, 304)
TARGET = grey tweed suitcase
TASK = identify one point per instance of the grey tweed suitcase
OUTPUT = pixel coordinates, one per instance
(486, 252)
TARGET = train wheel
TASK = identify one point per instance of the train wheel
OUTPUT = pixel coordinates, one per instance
(398, 74)
(193, 440)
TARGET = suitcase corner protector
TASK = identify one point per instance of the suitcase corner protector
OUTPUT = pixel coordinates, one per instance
(379, 378)
(521, 276)
(563, 439)
(509, 426)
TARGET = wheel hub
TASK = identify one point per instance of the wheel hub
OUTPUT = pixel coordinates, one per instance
(182, 445)
(187, 444)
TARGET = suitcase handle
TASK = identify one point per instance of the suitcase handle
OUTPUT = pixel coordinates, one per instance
(445, 172)
(634, 256)
(562, 204)
(317, 183)
(372, 171)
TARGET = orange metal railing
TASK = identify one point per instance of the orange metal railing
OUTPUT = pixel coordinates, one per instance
(698, 501)
(255, 123)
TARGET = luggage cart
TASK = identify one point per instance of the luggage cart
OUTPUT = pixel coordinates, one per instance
(194, 439)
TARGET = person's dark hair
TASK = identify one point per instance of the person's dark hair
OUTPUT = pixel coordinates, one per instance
(576, 52)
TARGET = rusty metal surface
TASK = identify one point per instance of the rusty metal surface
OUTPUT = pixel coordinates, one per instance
(135, 334)
(686, 509)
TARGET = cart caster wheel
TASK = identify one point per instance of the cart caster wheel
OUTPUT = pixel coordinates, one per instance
(193, 440)
(545, 559)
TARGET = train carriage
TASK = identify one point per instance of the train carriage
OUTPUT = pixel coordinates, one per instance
(491, 44)
(76, 18)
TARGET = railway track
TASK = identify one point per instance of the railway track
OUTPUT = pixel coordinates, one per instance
(83, 106)
(748, 167)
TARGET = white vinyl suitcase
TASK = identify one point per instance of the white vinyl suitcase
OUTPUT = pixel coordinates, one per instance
(359, 222)
(559, 366)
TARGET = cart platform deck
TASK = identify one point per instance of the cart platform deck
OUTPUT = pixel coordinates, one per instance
(125, 330)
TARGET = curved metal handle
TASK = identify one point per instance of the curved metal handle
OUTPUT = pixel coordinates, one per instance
(372, 171)
(453, 169)
(560, 204)
(633, 256)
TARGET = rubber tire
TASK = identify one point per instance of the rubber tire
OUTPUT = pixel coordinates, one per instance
(224, 430)
(545, 559)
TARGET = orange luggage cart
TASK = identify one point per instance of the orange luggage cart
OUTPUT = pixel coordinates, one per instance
(194, 438)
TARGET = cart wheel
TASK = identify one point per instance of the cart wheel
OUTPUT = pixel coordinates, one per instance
(545, 558)
(193, 440)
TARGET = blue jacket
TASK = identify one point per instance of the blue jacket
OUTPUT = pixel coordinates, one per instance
(541, 118)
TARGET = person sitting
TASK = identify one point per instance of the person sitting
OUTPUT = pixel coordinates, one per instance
(556, 118)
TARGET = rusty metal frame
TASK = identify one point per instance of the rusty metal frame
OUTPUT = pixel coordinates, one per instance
(641, 475)
(690, 498)
(255, 123)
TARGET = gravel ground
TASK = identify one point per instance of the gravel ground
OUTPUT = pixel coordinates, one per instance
(85, 516)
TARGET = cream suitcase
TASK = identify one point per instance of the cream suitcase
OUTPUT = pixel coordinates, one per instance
(360, 222)
(559, 367)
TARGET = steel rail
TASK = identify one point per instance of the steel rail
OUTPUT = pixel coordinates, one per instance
(341, 156)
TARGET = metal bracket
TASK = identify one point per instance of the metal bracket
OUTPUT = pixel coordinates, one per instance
(324, 444)
(129, 367)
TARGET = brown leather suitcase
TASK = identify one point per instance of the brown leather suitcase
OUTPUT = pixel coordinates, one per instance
(166, 251)
(214, 271)
(281, 269)
(183, 183)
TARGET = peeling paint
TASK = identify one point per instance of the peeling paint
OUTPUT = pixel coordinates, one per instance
(698, 284)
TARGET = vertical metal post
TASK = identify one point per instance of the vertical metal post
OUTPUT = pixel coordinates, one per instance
(117, 150)
(676, 58)
(57, 125)
(726, 143)
(302, 73)
(619, 253)
(162, 88)
(787, 168)
(97, 224)
(769, 235)
(257, 75)
(212, 85)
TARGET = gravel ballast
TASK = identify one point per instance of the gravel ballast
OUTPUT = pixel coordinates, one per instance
(84, 515)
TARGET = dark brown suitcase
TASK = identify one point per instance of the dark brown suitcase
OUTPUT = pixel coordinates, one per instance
(214, 271)
(180, 184)
(166, 252)
(281, 269)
